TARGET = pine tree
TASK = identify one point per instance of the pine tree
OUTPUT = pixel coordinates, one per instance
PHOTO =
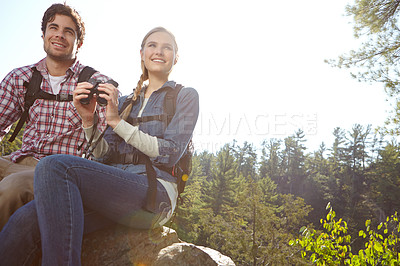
(377, 58)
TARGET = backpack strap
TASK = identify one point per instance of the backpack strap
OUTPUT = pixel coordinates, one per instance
(169, 108)
(169, 111)
(170, 102)
(33, 88)
(86, 73)
(34, 92)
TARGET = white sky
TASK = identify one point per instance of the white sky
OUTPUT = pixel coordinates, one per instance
(257, 65)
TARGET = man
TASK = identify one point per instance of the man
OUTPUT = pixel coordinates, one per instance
(53, 126)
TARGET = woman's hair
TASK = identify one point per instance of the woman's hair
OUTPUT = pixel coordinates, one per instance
(64, 9)
(145, 73)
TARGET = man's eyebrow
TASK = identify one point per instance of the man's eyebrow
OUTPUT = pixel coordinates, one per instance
(67, 28)
(52, 24)
(71, 29)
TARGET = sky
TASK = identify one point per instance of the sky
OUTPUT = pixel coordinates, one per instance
(257, 65)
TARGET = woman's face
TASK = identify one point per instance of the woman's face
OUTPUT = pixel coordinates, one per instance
(158, 53)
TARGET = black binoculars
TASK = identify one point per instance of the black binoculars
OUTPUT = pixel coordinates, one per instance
(101, 101)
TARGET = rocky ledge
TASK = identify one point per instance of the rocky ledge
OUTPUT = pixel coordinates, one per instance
(122, 246)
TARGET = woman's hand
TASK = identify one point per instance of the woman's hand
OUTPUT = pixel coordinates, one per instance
(85, 111)
(111, 94)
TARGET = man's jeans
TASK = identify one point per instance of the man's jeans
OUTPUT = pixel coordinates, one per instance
(64, 185)
(16, 185)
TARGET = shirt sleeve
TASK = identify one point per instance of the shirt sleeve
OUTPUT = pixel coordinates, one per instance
(10, 107)
(180, 130)
(138, 139)
(102, 145)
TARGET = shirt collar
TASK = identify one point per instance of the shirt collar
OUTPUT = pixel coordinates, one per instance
(168, 84)
(74, 69)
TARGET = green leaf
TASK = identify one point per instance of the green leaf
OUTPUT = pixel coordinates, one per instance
(378, 247)
(380, 226)
(328, 206)
(302, 229)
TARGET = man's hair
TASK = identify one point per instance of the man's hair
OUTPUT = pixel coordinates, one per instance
(64, 9)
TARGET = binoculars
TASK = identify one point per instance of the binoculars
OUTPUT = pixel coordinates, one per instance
(94, 90)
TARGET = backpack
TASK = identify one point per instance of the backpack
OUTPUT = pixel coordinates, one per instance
(182, 169)
(34, 92)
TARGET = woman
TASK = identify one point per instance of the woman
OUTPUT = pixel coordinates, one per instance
(65, 185)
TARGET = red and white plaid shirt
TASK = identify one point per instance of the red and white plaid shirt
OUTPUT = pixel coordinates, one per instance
(53, 127)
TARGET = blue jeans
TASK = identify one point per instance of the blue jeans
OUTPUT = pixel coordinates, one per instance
(64, 185)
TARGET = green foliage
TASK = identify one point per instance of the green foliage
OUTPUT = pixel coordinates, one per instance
(7, 147)
(332, 245)
(241, 205)
(329, 247)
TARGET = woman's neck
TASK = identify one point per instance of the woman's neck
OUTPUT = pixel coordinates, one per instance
(154, 84)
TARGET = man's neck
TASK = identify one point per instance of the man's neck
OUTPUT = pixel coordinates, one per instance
(58, 68)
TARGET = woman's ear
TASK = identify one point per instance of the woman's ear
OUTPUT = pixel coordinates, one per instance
(141, 55)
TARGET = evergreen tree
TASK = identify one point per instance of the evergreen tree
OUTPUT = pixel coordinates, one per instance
(384, 182)
(220, 196)
(293, 160)
(271, 160)
(206, 163)
(377, 58)
(338, 161)
(246, 159)
(186, 222)
(321, 183)
(218, 199)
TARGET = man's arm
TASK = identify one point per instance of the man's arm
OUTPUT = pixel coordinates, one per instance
(10, 102)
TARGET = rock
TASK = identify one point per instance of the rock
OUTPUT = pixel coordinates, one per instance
(122, 246)
(189, 254)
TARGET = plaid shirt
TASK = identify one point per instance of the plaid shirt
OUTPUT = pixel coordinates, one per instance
(52, 127)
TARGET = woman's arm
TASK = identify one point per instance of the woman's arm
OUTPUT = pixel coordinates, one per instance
(180, 130)
(132, 135)
(102, 145)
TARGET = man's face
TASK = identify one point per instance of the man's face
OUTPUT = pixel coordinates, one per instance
(61, 38)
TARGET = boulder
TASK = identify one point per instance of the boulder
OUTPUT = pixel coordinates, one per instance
(189, 254)
(122, 246)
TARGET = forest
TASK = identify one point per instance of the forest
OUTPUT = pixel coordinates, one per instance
(250, 208)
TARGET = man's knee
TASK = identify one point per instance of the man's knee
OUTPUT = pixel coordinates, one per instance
(7, 167)
(15, 191)
(17, 186)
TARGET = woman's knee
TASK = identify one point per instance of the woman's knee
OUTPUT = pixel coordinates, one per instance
(49, 168)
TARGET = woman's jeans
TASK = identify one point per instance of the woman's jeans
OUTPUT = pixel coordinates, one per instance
(64, 185)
